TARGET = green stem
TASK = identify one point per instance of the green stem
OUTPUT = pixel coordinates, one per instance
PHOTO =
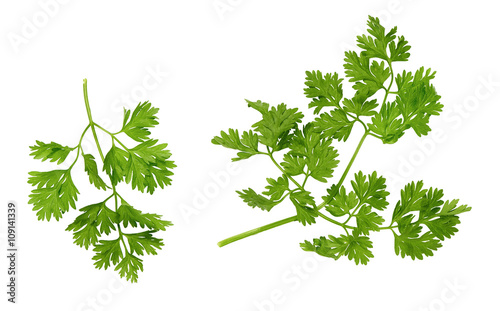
(388, 227)
(256, 230)
(113, 136)
(349, 165)
(89, 114)
(388, 89)
(92, 125)
(78, 148)
(294, 218)
(282, 170)
(335, 222)
(118, 224)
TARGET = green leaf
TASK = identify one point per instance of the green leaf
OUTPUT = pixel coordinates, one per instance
(148, 166)
(417, 100)
(276, 188)
(94, 220)
(359, 106)
(275, 124)
(293, 164)
(107, 252)
(368, 78)
(450, 208)
(414, 245)
(134, 217)
(144, 242)
(367, 220)
(354, 246)
(387, 123)
(115, 164)
(324, 90)
(334, 124)
(399, 51)
(51, 151)
(302, 201)
(342, 203)
(376, 44)
(368, 192)
(254, 199)
(317, 152)
(247, 145)
(323, 247)
(137, 124)
(129, 267)
(438, 216)
(91, 169)
(54, 193)
(371, 191)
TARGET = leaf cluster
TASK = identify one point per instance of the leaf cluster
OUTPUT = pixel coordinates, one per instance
(308, 151)
(118, 235)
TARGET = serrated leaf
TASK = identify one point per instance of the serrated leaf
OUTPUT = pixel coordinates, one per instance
(387, 123)
(275, 124)
(326, 91)
(51, 151)
(254, 199)
(304, 202)
(134, 217)
(368, 78)
(107, 252)
(293, 164)
(144, 242)
(342, 203)
(334, 124)
(54, 193)
(136, 124)
(399, 51)
(438, 218)
(94, 220)
(247, 144)
(371, 191)
(367, 221)
(92, 172)
(354, 246)
(115, 164)
(376, 44)
(318, 154)
(416, 247)
(359, 106)
(129, 267)
(276, 187)
(148, 166)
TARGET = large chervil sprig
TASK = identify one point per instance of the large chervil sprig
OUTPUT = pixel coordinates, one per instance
(421, 219)
(110, 226)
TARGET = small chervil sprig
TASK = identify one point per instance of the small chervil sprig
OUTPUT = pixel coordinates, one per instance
(421, 219)
(110, 226)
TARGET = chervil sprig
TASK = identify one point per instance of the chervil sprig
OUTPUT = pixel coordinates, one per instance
(112, 227)
(421, 219)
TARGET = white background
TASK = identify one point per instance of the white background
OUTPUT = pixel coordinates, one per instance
(207, 62)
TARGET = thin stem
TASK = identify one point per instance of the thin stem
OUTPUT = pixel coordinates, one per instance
(305, 180)
(335, 222)
(92, 125)
(79, 147)
(256, 230)
(388, 227)
(113, 135)
(118, 224)
(294, 218)
(89, 114)
(346, 171)
(388, 89)
(281, 169)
